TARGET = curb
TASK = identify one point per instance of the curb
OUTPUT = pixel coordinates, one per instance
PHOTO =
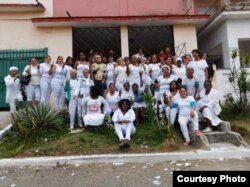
(6, 129)
(238, 153)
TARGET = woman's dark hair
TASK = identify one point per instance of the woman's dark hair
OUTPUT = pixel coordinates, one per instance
(135, 84)
(68, 58)
(183, 87)
(111, 84)
(125, 101)
(170, 85)
(197, 51)
(95, 91)
(126, 83)
(208, 81)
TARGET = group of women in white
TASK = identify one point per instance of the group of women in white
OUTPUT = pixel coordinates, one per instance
(177, 86)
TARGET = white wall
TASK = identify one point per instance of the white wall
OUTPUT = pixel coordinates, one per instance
(18, 32)
(24, 35)
(187, 34)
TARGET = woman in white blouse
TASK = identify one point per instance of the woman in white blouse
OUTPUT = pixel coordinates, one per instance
(110, 78)
(134, 72)
(123, 119)
(45, 81)
(33, 88)
(120, 74)
(57, 83)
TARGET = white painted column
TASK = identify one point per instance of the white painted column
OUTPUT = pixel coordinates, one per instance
(124, 41)
(185, 34)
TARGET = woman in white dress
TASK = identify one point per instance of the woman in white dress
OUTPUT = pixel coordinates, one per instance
(209, 107)
(33, 88)
(144, 70)
(110, 77)
(120, 74)
(187, 112)
(112, 99)
(83, 91)
(134, 73)
(170, 97)
(123, 119)
(81, 65)
(154, 68)
(72, 96)
(93, 116)
(45, 81)
(57, 83)
(163, 81)
(13, 92)
(200, 67)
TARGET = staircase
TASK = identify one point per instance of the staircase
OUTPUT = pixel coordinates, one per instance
(221, 134)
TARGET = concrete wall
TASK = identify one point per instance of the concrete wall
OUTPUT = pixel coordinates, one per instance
(214, 38)
(119, 7)
(18, 32)
(187, 34)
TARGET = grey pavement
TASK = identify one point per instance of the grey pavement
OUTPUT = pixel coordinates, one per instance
(5, 119)
(147, 174)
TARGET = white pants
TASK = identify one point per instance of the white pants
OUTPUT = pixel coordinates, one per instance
(124, 131)
(33, 91)
(209, 114)
(183, 121)
(171, 114)
(45, 86)
(12, 103)
(58, 92)
(73, 103)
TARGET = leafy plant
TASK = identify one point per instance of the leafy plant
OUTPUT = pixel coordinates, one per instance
(241, 86)
(37, 121)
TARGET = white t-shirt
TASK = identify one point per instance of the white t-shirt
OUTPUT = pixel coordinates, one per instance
(44, 70)
(83, 87)
(60, 72)
(156, 70)
(80, 68)
(199, 68)
(134, 75)
(120, 72)
(185, 105)
(179, 72)
(112, 100)
(93, 106)
(165, 83)
(190, 84)
(67, 68)
(127, 95)
(35, 74)
(110, 70)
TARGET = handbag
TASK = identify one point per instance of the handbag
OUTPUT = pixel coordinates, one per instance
(24, 80)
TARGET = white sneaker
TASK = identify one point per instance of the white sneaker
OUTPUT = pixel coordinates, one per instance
(207, 129)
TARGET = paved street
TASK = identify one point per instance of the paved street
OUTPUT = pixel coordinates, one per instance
(4, 119)
(111, 175)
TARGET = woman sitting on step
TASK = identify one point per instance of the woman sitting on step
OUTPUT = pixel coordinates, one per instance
(209, 106)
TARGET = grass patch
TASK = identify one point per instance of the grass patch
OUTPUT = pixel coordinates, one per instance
(101, 140)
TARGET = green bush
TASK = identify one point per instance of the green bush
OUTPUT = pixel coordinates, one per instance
(38, 120)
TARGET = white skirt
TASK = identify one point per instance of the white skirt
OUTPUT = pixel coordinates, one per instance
(139, 105)
(93, 119)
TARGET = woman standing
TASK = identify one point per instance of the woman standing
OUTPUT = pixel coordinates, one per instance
(200, 68)
(92, 112)
(144, 70)
(81, 65)
(120, 74)
(123, 119)
(110, 78)
(112, 99)
(83, 91)
(33, 88)
(45, 81)
(154, 68)
(186, 105)
(57, 83)
(134, 73)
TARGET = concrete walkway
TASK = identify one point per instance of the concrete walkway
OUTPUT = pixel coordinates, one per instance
(5, 119)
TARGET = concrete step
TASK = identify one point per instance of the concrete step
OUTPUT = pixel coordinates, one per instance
(220, 135)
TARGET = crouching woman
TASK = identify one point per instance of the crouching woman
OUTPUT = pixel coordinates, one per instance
(123, 119)
(94, 107)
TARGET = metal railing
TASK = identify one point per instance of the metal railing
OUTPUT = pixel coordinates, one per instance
(180, 50)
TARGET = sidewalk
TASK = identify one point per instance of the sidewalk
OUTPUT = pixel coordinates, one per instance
(5, 119)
